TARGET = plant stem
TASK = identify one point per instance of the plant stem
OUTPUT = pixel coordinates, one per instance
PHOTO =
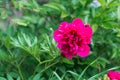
(80, 76)
(17, 65)
(49, 66)
(19, 70)
(22, 60)
(9, 51)
(40, 63)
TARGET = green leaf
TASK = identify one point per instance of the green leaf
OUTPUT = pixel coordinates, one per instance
(68, 61)
(13, 74)
(83, 2)
(20, 22)
(113, 3)
(4, 15)
(103, 61)
(58, 77)
(35, 3)
(94, 27)
(23, 3)
(18, 78)
(109, 25)
(75, 75)
(103, 3)
(27, 43)
(2, 78)
(9, 77)
(118, 13)
(53, 6)
(80, 76)
(64, 14)
(4, 56)
(74, 2)
(59, 8)
(37, 76)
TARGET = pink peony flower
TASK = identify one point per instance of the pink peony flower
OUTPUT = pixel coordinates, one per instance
(114, 75)
(73, 38)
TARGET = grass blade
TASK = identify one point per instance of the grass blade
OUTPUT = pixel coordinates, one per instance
(80, 76)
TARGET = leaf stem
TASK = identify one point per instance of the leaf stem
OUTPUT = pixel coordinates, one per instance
(49, 66)
(80, 76)
(19, 70)
(40, 63)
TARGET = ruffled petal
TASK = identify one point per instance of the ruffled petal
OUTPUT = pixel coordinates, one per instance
(78, 22)
(114, 75)
(67, 55)
(83, 50)
(63, 25)
(88, 30)
(88, 34)
(57, 35)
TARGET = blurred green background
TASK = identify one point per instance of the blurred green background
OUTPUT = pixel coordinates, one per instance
(27, 48)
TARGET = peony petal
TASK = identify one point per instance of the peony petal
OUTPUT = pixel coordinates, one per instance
(63, 25)
(88, 30)
(78, 22)
(57, 35)
(83, 51)
(67, 55)
(114, 75)
(87, 25)
(88, 34)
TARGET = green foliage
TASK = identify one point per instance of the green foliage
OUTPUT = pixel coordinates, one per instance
(28, 50)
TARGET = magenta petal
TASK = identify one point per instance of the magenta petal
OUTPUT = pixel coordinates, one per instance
(87, 25)
(67, 55)
(57, 35)
(88, 34)
(63, 25)
(88, 30)
(84, 51)
(114, 75)
(78, 22)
